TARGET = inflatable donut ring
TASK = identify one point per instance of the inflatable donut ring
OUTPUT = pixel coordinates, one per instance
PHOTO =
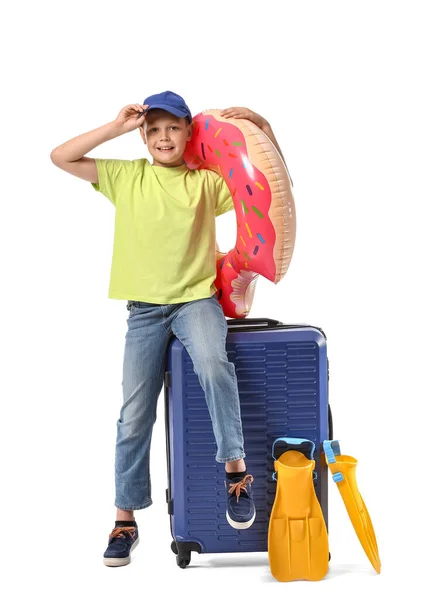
(260, 186)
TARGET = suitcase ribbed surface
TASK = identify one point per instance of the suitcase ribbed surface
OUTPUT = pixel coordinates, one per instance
(282, 379)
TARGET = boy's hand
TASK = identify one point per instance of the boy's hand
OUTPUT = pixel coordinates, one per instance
(131, 117)
(239, 112)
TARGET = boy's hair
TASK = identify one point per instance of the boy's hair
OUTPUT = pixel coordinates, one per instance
(188, 119)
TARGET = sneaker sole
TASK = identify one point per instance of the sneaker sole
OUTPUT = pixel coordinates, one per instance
(120, 562)
(238, 524)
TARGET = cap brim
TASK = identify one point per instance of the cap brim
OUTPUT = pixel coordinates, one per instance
(171, 109)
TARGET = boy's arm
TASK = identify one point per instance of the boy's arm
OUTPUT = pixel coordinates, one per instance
(269, 132)
(70, 155)
(239, 112)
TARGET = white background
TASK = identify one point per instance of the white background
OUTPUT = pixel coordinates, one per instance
(343, 86)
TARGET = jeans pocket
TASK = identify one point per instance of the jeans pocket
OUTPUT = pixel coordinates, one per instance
(134, 305)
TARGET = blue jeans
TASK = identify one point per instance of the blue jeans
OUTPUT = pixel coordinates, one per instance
(201, 327)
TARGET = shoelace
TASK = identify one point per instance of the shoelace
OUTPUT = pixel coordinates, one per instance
(239, 485)
(120, 532)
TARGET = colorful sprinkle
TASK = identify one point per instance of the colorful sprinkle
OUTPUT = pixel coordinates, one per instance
(248, 230)
(217, 152)
(231, 173)
(261, 238)
(237, 143)
(225, 142)
(232, 155)
(245, 208)
(248, 257)
(243, 241)
(256, 250)
(210, 149)
(234, 191)
(256, 211)
(203, 151)
(219, 170)
(259, 185)
(217, 131)
(206, 124)
(198, 158)
(249, 190)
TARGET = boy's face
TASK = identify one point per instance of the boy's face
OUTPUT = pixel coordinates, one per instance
(162, 129)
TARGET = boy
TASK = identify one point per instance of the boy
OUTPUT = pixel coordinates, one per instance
(164, 265)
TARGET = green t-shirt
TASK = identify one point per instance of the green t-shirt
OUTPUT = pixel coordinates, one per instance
(164, 235)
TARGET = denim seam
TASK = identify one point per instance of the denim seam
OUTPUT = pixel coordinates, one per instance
(136, 507)
(223, 460)
(164, 320)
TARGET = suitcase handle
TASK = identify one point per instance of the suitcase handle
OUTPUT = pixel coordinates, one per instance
(330, 424)
(236, 323)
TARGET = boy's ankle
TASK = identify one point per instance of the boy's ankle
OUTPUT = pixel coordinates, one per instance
(235, 465)
(124, 515)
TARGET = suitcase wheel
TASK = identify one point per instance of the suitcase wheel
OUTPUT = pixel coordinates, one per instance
(183, 559)
(183, 552)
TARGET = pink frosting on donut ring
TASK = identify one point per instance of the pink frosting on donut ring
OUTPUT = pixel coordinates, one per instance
(260, 187)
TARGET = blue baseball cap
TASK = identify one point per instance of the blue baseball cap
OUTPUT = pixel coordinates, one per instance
(171, 102)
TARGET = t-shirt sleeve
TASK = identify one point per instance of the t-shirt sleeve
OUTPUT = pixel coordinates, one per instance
(224, 201)
(112, 174)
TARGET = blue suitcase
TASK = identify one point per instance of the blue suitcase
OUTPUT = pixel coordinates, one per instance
(282, 372)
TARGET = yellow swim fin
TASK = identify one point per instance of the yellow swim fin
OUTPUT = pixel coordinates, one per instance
(297, 536)
(343, 469)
